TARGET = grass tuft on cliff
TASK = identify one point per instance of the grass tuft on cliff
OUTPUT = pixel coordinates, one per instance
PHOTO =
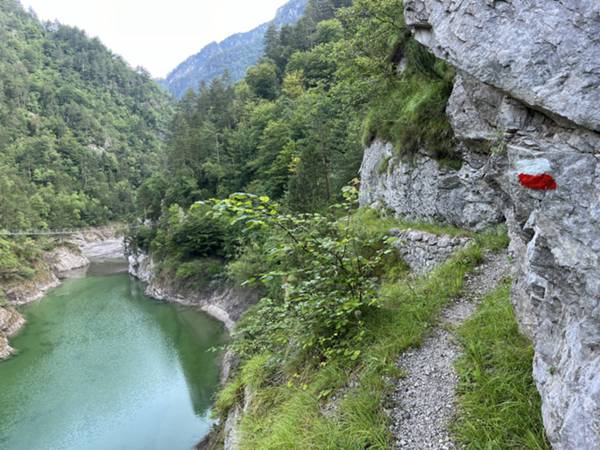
(374, 221)
(499, 404)
(411, 114)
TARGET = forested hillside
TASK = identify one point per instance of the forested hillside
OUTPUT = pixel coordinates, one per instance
(294, 128)
(233, 55)
(79, 129)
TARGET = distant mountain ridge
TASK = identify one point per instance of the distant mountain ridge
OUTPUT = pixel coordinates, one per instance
(235, 54)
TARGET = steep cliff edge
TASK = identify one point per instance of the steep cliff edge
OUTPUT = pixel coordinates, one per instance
(525, 112)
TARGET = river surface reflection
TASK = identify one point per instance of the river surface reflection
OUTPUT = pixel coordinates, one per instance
(102, 367)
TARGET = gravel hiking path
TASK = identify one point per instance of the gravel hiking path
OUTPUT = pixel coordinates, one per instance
(424, 402)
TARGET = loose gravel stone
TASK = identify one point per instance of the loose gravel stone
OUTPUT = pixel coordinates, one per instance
(424, 402)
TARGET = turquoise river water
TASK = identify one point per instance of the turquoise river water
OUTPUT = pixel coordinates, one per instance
(102, 367)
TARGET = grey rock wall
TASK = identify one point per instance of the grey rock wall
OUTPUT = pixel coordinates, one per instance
(141, 266)
(543, 52)
(527, 93)
(424, 251)
(420, 188)
(555, 242)
(64, 259)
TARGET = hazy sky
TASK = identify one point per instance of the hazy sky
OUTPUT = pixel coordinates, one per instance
(157, 34)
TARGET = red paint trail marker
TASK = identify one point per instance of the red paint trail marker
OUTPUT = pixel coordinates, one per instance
(535, 174)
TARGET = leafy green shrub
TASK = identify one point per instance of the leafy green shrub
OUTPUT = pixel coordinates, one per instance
(205, 269)
(322, 279)
(199, 234)
(194, 234)
(17, 258)
(249, 265)
(141, 237)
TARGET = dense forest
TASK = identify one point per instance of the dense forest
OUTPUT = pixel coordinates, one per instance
(79, 129)
(294, 128)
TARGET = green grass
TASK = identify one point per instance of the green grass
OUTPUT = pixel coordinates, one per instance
(412, 116)
(291, 403)
(290, 415)
(499, 404)
(370, 220)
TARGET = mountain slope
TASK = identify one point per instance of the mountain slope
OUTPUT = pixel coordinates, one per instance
(235, 54)
(79, 129)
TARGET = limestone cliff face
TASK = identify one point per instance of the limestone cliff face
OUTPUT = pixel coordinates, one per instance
(555, 242)
(544, 53)
(420, 188)
(527, 98)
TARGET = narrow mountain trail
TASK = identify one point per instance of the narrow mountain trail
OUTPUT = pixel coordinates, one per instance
(424, 402)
